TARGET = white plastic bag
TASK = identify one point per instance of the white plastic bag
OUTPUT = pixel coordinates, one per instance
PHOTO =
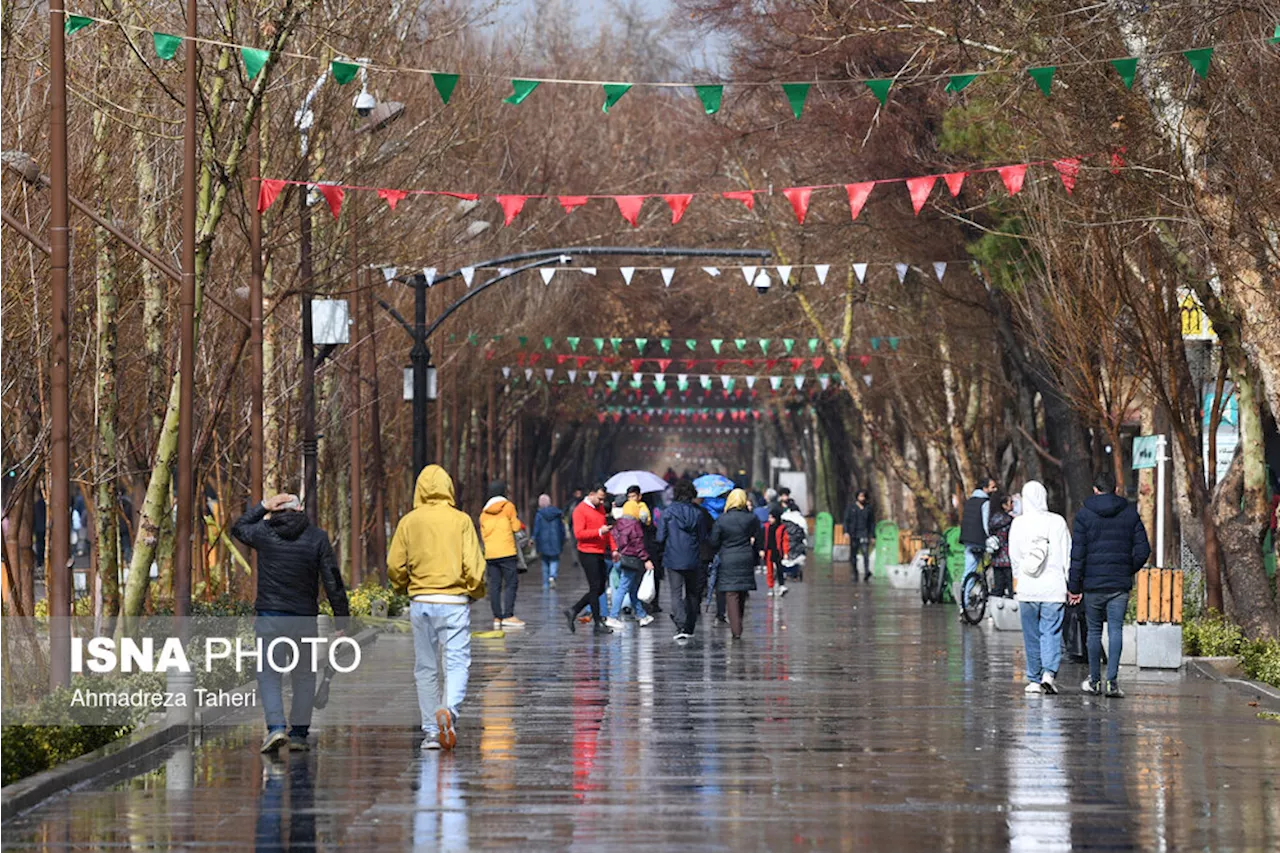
(648, 588)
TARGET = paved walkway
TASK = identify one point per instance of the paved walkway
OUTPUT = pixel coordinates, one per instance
(848, 718)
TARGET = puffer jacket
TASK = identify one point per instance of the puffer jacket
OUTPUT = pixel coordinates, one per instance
(628, 538)
(498, 526)
(294, 558)
(999, 524)
(737, 537)
(1108, 545)
(682, 529)
(548, 531)
(435, 550)
(1039, 548)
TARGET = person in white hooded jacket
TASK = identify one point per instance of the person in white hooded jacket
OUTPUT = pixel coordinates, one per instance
(1040, 554)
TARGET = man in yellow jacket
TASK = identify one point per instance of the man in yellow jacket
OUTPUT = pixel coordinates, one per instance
(435, 556)
(498, 527)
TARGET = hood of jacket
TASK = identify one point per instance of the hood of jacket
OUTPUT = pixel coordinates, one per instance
(289, 525)
(1034, 497)
(434, 486)
(494, 505)
(795, 518)
(550, 513)
(1107, 506)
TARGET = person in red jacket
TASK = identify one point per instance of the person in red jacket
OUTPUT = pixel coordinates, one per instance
(591, 523)
(776, 547)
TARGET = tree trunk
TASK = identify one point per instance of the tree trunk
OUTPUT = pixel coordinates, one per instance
(105, 406)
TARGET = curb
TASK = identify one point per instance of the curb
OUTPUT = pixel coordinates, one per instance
(154, 734)
(1256, 690)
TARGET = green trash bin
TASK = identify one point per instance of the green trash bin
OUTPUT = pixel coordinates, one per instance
(886, 546)
(824, 529)
(955, 560)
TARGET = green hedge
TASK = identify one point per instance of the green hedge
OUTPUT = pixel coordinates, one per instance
(1212, 635)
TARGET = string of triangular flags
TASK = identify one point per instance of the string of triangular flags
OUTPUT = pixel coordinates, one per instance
(710, 95)
(668, 345)
(758, 276)
(919, 189)
(681, 382)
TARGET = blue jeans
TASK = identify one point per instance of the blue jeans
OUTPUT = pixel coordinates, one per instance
(972, 559)
(1042, 636)
(550, 567)
(441, 658)
(1109, 607)
(272, 625)
(628, 584)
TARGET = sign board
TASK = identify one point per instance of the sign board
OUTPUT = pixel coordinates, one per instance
(1228, 437)
(780, 462)
(329, 322)
(1195, 324)
(1145, 451)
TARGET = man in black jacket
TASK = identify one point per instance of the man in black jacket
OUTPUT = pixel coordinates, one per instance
(1108, 547)
(860, 526)
(294, 557)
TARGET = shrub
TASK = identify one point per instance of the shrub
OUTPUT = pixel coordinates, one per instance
(1261, 661)
(30, 749)
(1211, 636)
(361, 599)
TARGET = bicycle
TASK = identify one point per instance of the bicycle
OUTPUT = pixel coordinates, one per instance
(975, 591)
(933, 574)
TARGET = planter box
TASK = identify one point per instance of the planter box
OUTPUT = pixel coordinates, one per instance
(1004, 613)
(1158, 646)
(839, 553)
(904, 576)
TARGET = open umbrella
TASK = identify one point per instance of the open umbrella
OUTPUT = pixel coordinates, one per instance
(623, 480)
(712, 485)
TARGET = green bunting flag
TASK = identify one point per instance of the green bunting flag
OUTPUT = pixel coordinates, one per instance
(573, 343)
(473, 339)
(444, 85)
(789, 344)
(691, 344)
(497, 339)
(838, 344)
(599, 342)
(813, 344)
(521, 89)
(796, 94)
(710, 97)
(682, 383)
(1126, 68)
(612, 92)
(548, 342)
(875, 344)
(1199, 60)
(616, 343)
(254, 59)
(166, 45)
(740, 343)
(716, 343)
(666, 345)
(764, 345)
(343, 72)
(524, 341)
(893, 344)
(958, 82)
(75, 23)
(641, 343)
(661, 385)
(1043, 77)
(880, 88)
(1275, 39)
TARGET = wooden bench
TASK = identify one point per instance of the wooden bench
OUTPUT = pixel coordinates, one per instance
(1159, 595)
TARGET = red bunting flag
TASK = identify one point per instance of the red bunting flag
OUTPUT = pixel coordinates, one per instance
(629, 206)
(582, 362)
(637, 364)
(333, 195)
(678, 205)
(720, 416)
(267, 192)
(865, 360)
(392, 197)
(797, 364)
(955, 181)
(1117, 161)
(858, 196)
(520, 358)
(691, 364)
(719, 365)
(462, 196)
(771, 364)
(534, 358)
(920, 189)
(489, 354)
(561, 359)
(570, 203)
(1012, 177)
(816, 362)
(511, 206)
(663, 364)
(1068, 168)
(748, 362)
(799, 198)
(601, 416)
(747, 197)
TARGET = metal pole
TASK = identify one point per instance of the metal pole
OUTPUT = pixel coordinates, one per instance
(308, 357)
(493, 417)
(183, 527)
(1160, 460)
(356, 544)
(420, 356)
(257, 440)
(59, 516)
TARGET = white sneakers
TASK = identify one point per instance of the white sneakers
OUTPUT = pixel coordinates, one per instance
(681, 637)
(513, 624)
(646, 621)
(782, 590)
(615, 624)
(1033, 689)
(497, 624)
(1047, 685)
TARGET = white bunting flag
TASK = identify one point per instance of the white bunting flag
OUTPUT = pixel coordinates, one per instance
(659, 377)
(901, 269)
(821, 270)
(389, 273)
(711, 271)
(751, 381)
(573, 376)
(547, 274)
(775, 382)
(506, 373)
(429, 273)
(591, 376)
(705, 381)
(528, 374)
(637, 378)
(866, 377)
(468, 273)
(588, 270)
(617, 376)
(667, 273)
(682, 378)
(550, 371)
(824, 381)
(504, 271)
(860, 270)
(749, 273)
(627, 272)
(784, 274)
(799, 381)
(939, 269)
(724, 381)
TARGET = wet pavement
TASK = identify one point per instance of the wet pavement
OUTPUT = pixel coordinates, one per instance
(849, 717)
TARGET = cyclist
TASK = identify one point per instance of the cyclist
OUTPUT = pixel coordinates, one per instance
(973, 533)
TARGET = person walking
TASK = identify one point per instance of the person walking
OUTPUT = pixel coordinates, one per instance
(973, 534)
(498, 527)
(591, 524)
(435, 558)
(860, 527)
(682, 529)
(1108, 546)
(999, 523)
(633, 560)
(294, 558)
(775, 549)
(548, 538)
(738, 540)
(1040, 552)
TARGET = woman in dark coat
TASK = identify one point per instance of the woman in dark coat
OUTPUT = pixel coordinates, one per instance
(738, 539)
(998, 524)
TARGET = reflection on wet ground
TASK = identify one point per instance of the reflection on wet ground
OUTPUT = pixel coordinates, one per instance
(849, 717)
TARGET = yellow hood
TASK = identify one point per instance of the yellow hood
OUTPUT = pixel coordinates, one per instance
(435, 550)
(434, 486)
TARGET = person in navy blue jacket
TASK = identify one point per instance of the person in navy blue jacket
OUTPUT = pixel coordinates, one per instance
(682, 530)
(1108, 547)
(548, 537)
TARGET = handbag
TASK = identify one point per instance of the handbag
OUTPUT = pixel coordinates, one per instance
(632, 564)
(1075, 633)
(522, 542)
(648, 588)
